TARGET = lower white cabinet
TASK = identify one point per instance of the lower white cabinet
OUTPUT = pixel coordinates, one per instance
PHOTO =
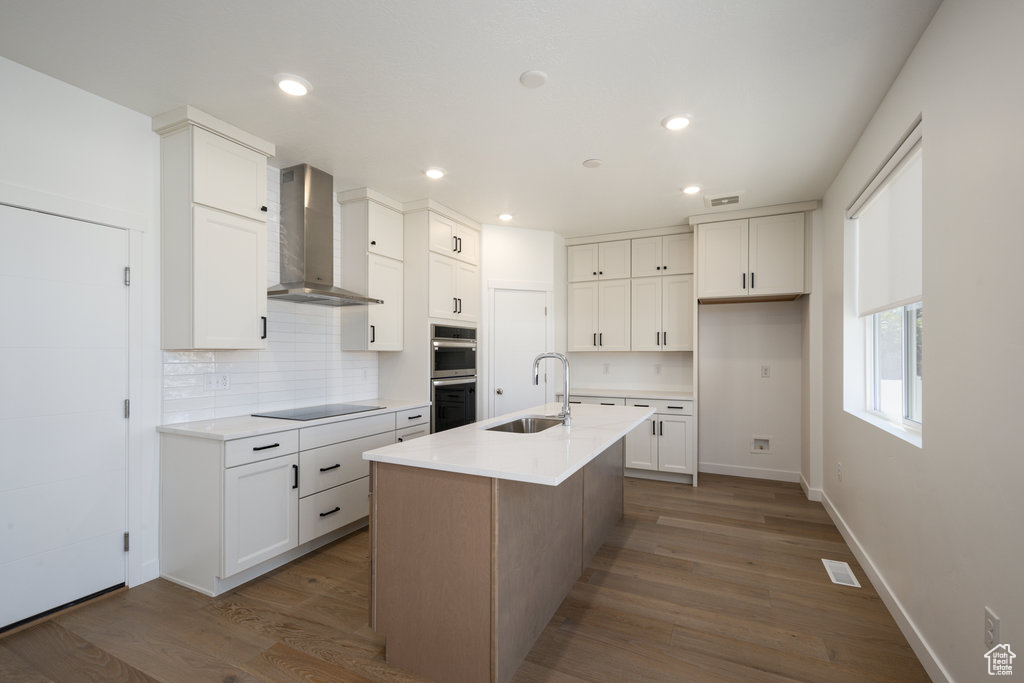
(261, 511)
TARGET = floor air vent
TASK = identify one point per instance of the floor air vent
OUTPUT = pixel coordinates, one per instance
(840, 573)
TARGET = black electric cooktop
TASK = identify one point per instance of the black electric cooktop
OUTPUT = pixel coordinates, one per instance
(317, 412)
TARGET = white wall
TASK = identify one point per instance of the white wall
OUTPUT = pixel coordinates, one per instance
(939, 526)
(736, 403)
(669, 371)
(71, 153)
(303, 363)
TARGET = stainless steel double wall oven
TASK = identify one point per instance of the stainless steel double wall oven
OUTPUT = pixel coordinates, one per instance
(452, 376)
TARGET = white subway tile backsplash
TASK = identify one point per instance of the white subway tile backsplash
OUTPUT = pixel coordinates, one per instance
(303, 363)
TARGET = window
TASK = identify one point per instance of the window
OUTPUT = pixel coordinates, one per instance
(884, 257)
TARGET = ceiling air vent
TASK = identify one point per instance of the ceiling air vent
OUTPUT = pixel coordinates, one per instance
(722, 200)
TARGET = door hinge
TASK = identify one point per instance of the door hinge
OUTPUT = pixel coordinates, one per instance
(127, 408)
(545, 311)
(127, 276)
(126, 541)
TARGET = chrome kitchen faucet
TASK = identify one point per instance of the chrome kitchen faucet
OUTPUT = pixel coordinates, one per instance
(564, 415)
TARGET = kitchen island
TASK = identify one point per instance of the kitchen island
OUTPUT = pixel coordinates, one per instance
(478, 535)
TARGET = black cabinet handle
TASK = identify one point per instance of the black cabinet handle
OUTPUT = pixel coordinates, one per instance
(607, 404)
(263, 448)
(455, 305)
(295, 471)
(595, 272)
(576, 403)
(675, 407)
(600, 272)
(640, 405)
(455, 243)
(400, 439)
(458, 240)
(661, 428)
(595, 339)
(330, 512)
(373, 333)
(657, 267)
(332, 467)
(657, 338)
(263, 209)
(654, 427)
(600, 338)
(664, 338)
(751, 279)
(264, 318)
(744, 280)
(458, 305)
(373, 243)
(415, 417)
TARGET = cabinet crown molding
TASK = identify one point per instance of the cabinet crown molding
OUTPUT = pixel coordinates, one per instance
(627, 235)
(186, 115)
(431, 205)
(366, 193)
(795, 207)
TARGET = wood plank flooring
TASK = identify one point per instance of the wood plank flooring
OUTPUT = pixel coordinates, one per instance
(719, 583)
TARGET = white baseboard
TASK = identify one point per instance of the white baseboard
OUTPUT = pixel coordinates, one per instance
(812, 494)
(917, 642)
(752, 472)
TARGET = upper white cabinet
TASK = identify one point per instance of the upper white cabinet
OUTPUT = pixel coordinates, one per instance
(599, 261)
(599, 316)
(453, 289)
(372, 247)
(754, 257)
(662, 313)
(668, 255)
(213, 233)
(228, 176)
(454, 239)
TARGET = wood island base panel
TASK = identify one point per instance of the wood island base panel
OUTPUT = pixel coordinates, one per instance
(468, 570)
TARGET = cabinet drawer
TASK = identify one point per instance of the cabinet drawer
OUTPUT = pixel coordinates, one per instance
(327, 466)
(256, 448)
(322, 435)
(332, 509)
(412, 417)
(673, 407)
(597, 400)
(410, 433)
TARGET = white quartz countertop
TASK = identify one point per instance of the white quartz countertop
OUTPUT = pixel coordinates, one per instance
(241, 426)
(548, 457)
(664, 394)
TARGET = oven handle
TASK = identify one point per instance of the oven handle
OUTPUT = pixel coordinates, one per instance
(438, 344)
(449, 382)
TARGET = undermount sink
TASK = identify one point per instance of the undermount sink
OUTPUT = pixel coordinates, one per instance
(528, 424)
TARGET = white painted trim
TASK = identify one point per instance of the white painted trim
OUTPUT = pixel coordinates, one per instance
(812, 494)
(655, 475)
(441, 209)
(628, 235)
(752, 472)
(170, 121)
(924, 652)
(370, 194)
(56, 205)
(778, 209)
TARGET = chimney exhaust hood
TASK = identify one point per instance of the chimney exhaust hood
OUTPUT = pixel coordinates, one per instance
(307, 241)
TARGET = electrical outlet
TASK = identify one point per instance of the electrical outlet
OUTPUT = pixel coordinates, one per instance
(607, 367)
(839, 471)
(991, 628)
(766, 371)
(217, 381)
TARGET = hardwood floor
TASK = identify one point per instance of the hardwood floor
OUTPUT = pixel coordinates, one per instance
(721, 582)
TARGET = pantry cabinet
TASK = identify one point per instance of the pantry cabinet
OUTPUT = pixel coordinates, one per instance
(213, 233)
(372, 247)
(756, 257)
(662, 313)
(599, 316)
(667, 255)
(599, 261)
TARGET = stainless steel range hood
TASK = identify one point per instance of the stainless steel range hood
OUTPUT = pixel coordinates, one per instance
(307, 241)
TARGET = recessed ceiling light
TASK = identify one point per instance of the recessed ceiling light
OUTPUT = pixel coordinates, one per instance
(691, 189)
(292, 84)
(675, 122)
(505, 217)
(592, 163)
(533, 79)
(435, 173)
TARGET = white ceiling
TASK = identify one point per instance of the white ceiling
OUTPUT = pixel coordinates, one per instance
(778, 91)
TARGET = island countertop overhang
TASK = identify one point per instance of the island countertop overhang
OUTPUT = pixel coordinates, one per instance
(548, 457)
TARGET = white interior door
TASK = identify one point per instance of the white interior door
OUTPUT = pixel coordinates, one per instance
(520, 334)
(64, 370)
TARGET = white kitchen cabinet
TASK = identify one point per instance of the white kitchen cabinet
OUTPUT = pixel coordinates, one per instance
(599, 261)
(372, 246)
(641, 447)
(261, 511)
(228, 176)
(667, 255)
(599, 316)
(662, 313)
(756, 257)
(674, 453)
(453, 289)
(666, 442)
(213, 234)
(453, 239)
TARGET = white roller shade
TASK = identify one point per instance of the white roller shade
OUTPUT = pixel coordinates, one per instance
(889, 239)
